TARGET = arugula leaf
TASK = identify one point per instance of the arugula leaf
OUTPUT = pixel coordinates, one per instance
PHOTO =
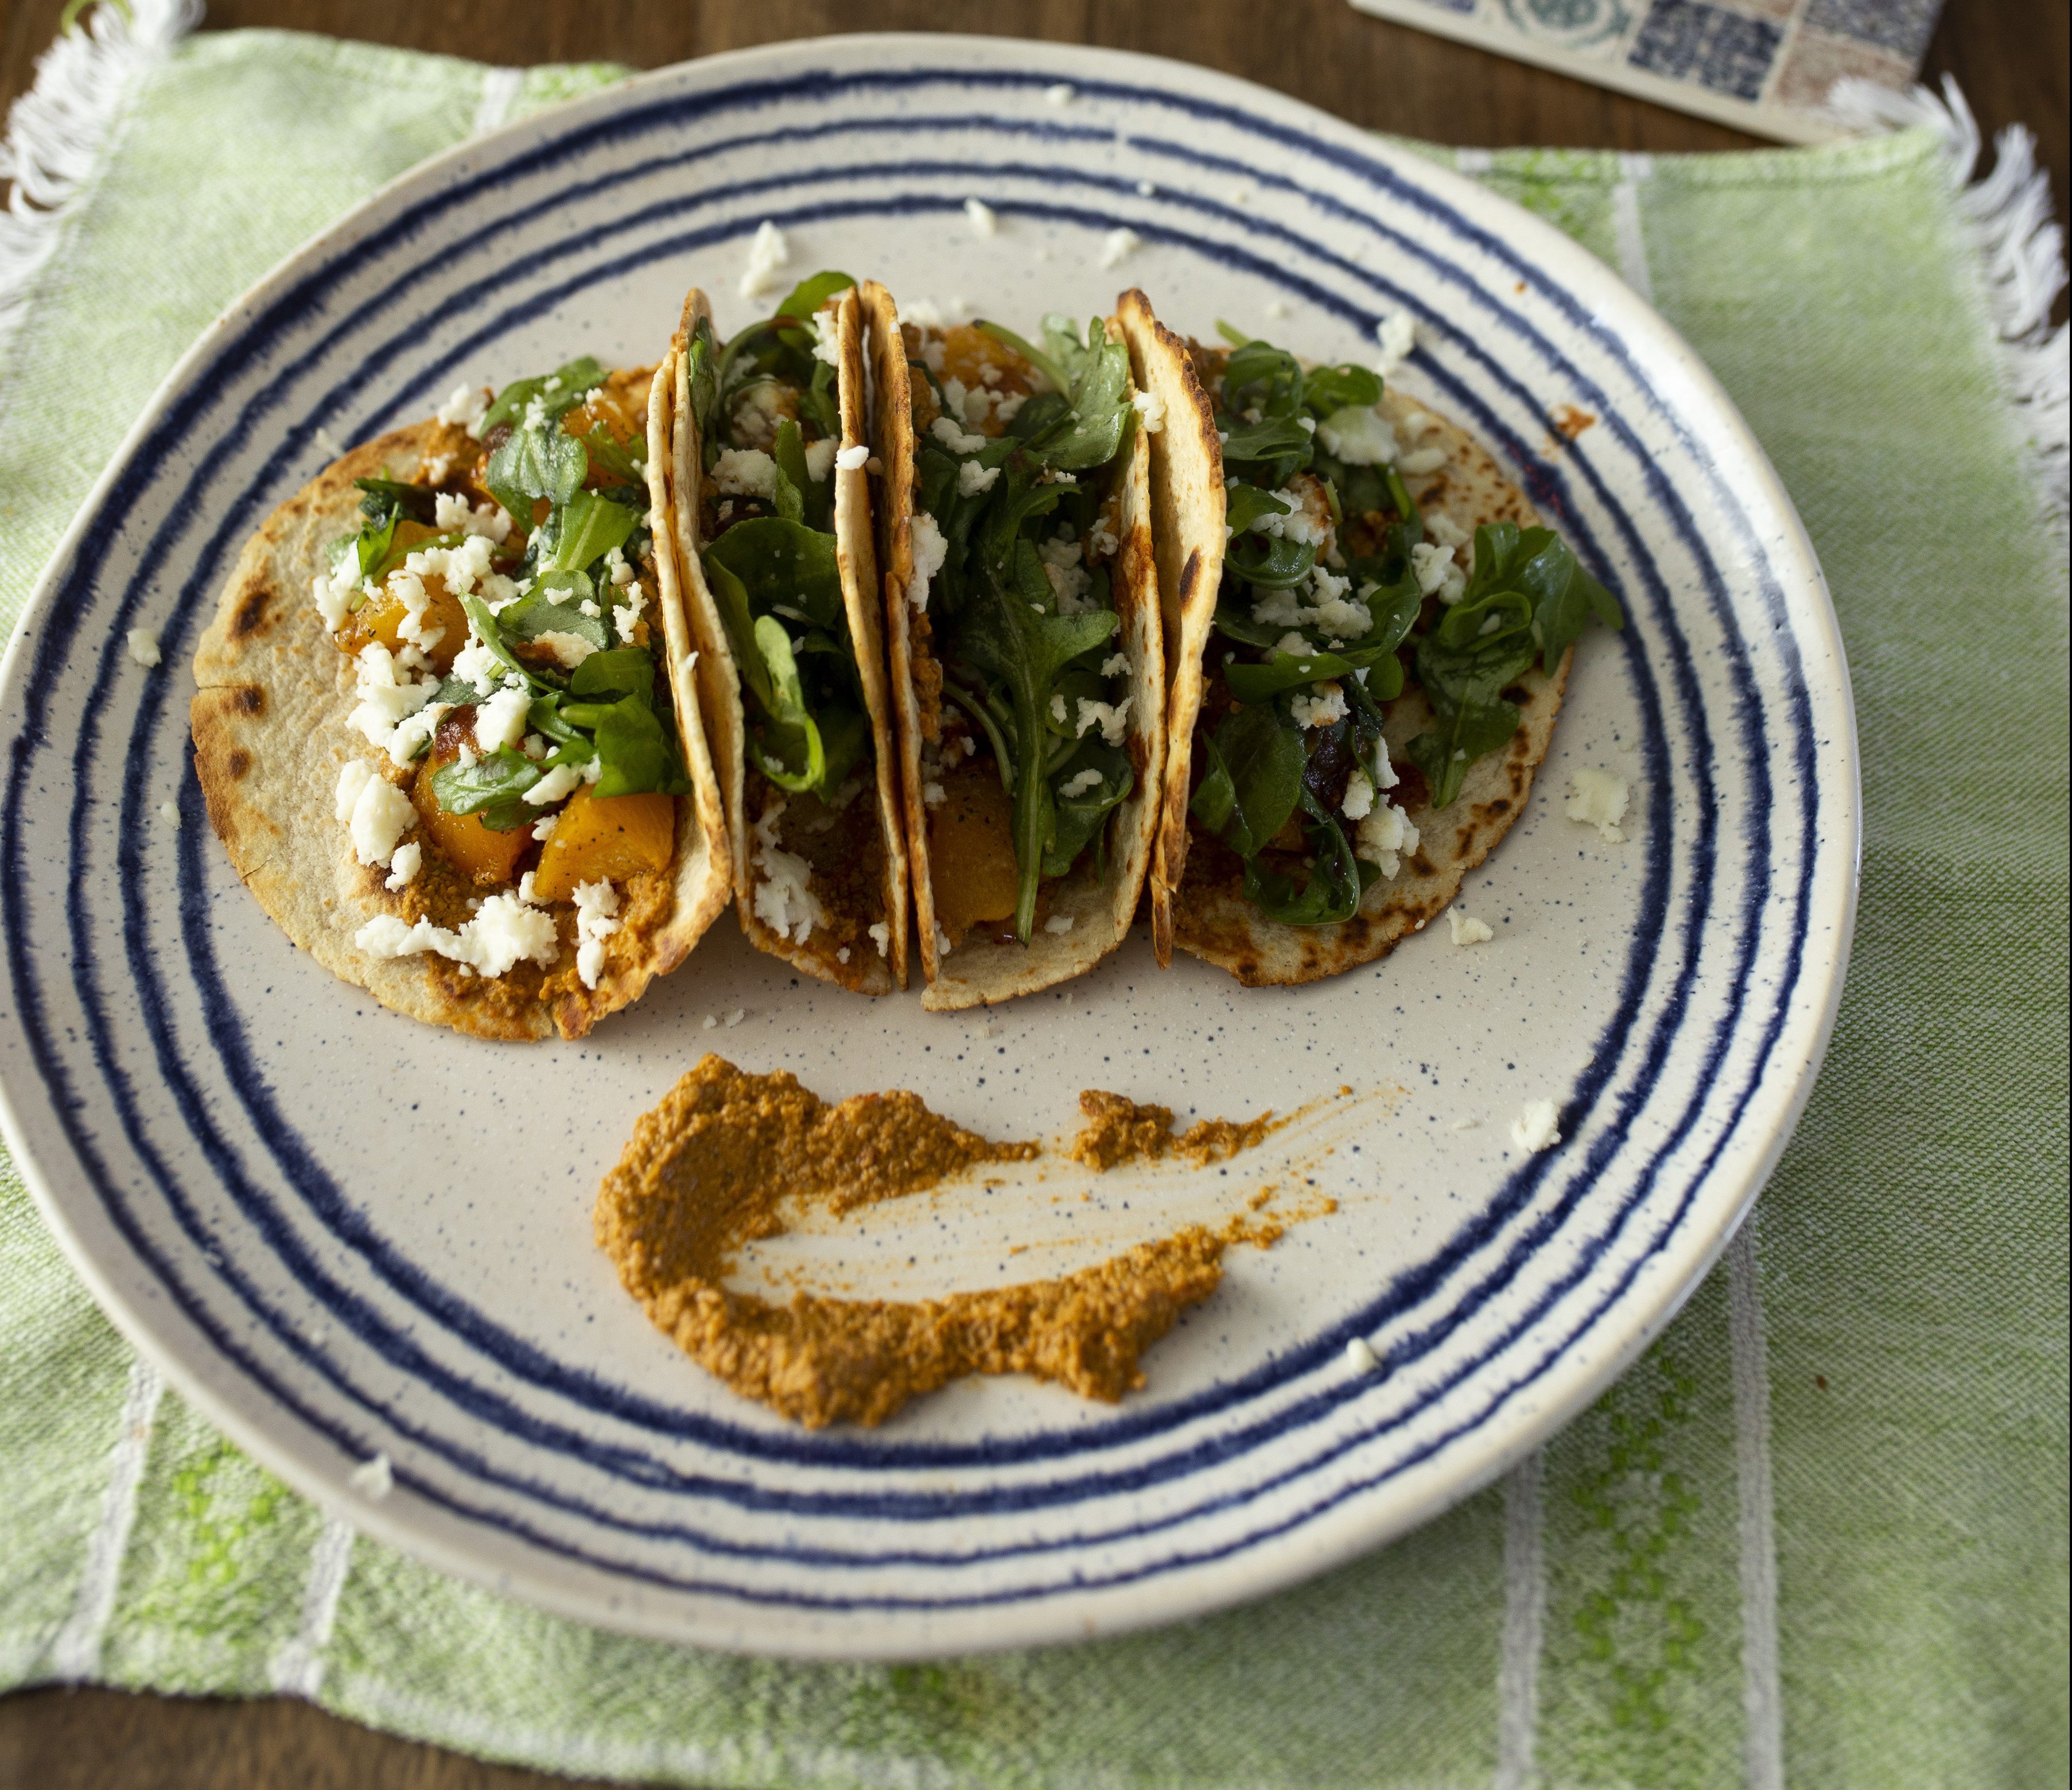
(701, 372)
(640, 757)
(493, 787)
(1247, 503)
(1286, 671)
(1274, 562)
(623, 671)
(537, 613)
(385, 500)
(1079, 816)
(490, 634)
(775, 560)
(1336, 881)
(1327, 390)
(585, 527)
(789, 751)
(1253, 781)
(535, 463)
(612, 458)
(571, 383)
(805, 299)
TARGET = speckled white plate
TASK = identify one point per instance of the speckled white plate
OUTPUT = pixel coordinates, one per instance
(343, 1233)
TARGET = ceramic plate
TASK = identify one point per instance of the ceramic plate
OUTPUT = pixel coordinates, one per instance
(344, 1234)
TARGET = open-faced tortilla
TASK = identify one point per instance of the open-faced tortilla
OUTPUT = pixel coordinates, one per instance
(320, 724)
(1011, 899)
(779, 602)
(1390, 733)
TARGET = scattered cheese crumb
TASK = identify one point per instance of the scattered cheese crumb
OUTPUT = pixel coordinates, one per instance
(464, 405)
(766, 254)
(930, 550)
(784, 900)
(144, 647)
(972, 479)
(1359, 434)
(1357, 802)
(984, 221)
(820, 458)
(169, 813)
(1467, 930)
(1058, 925)
(1151, 407)
(712, 1022)
(1360, 1357)
(1321, 709)
(596, 904)
(942, 943)
(403, 867)
(1118, 245)
(734, 1018)
(1537, 1126)
(381, 815)
(1078, 785)
(1598, 799)
(880, 935)
(1425, 459)
(1063, 93)
(745, 472)
(374, 1479)
(850, 459)
(1397, 335)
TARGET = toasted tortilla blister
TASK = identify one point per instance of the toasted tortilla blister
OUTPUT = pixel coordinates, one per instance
(1195, 904)
(271, 735)
(1100, 907)
(864, 965)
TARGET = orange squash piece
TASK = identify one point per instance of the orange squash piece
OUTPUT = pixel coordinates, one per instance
(476, 851)
(380, 617)
(605, 838)
(971, 849)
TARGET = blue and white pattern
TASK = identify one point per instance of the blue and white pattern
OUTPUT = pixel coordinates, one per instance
(346, 1235)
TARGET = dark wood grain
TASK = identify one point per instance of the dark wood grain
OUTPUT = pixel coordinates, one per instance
(2012, 59)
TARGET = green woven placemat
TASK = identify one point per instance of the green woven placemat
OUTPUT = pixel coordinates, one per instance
(1817, 1535)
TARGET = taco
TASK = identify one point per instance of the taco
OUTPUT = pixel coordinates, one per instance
(1382, 650)
(433, 725)
(1027, 658)
(771, 503)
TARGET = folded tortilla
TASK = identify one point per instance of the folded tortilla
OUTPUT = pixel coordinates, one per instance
(1198, 886)
(861, 943)
(1087, 912)
(272, 735)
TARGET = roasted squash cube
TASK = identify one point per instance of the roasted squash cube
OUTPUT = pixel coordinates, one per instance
(605, 839)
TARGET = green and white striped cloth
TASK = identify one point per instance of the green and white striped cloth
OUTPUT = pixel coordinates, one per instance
(1817, 1535)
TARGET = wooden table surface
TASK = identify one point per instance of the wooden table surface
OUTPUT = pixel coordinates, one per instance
(2011, 57)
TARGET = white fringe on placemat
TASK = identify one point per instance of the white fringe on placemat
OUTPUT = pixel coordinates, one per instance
(57, 131)
(2021, 256)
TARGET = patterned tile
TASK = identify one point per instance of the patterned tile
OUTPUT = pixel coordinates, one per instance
(1725, 52)
(1901, 26)
(1815, 62)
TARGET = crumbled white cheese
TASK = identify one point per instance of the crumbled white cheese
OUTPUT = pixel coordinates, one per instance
(144, 647)
(169, 812)
(374, 1479)
(1360, 1356)
(1423, 460)
(1598, 799)
(480, 665)
(1418, 424)
(973, 478)
(1070, 581)
(500, 721)
(734, 1018)
(820, 458)
(1431, 564)
(386, 700)
(504, 930)
(1537, 1126)
(1467, 930)
(942, 945)
(1357, 802)
(1058, 925)
(930, 550)
(842, 955)
(1448, 533)
(404, 866)
(1111, 717)
(596, 904)
(710, 1022)
(352, 777)
(570, 650)
(926, 314)
(626, 616)
(1118, 245)
(745, 472)
(464, 406)
(483, 522)
(1059, 93)
(934, 794)
(827, 336)
(1080, 783)
(983, 221)
(784, 900)
(957, 440)
(1397, 335)
(1320, 708)
(559, 782)
(1151, 410)
(880, 935)
(1359, 434)
(1116, 665)
(1386, 838)
(850, 459)
(381, 815)
(1384, 772)
(543, 829)
(766, 254)
(1058, 708)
